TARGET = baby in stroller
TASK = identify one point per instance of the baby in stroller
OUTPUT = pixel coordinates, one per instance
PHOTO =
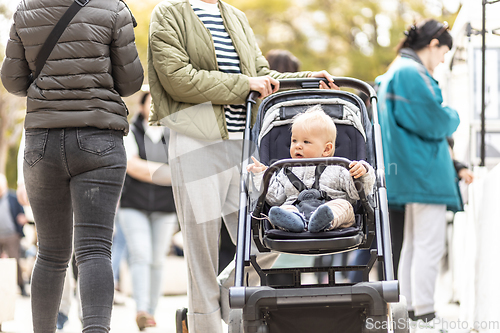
(312, 198)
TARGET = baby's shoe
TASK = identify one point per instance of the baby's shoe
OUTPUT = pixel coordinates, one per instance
(286, 220)
(321, 219)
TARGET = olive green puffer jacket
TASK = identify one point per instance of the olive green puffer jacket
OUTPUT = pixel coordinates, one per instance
(93, 64)
(183, 72)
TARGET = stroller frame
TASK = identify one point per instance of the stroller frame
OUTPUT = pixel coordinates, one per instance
(281, 288)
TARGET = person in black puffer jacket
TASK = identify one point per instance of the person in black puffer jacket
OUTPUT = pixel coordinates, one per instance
(74, 158)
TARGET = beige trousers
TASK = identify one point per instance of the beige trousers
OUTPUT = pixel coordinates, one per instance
(205, 180)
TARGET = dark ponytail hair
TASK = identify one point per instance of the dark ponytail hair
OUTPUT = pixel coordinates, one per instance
(419, 36)
(282, 61)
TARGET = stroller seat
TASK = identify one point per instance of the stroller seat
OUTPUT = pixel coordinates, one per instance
(273, 140)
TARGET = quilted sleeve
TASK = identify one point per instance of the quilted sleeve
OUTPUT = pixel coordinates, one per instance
(127, 69)
(368, 179)
(276, 191)
(257, 179)
(15, 72)
(179, 78)
(346, 184)
(339, 179)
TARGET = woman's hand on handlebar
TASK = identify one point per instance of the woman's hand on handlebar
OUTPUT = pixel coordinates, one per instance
(326, 75)
(264, 85)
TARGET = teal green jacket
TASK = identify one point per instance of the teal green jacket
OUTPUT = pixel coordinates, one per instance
(415, 124)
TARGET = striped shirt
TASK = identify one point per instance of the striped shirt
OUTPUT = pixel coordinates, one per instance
(227, 58)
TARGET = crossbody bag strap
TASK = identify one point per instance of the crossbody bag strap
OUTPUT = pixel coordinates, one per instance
(55, 34)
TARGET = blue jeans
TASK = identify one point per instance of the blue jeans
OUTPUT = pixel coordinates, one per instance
(73, 174)
(118, 251)
(148, 236)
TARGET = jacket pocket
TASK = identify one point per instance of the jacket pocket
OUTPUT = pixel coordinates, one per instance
(94, 140)
(36, 141)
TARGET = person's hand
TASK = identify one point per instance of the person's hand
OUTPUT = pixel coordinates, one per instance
(466, 175)
(265, 85)
(21, 194)
(327, 76)
(357, 169)
(22, 219)
(256, 166)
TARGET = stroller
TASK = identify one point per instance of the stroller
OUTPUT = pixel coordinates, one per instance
(283, 303)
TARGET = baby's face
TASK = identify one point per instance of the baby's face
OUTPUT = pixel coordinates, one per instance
(308, 145)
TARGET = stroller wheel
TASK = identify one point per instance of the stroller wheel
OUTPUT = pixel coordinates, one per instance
(376, 324)
(263, 329)
(255, 326)
(400, 316)
(181, 321)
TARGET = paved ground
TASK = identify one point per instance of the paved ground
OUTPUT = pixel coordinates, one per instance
(123, 320)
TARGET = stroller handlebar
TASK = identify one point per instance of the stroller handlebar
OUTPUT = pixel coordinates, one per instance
(313, 83)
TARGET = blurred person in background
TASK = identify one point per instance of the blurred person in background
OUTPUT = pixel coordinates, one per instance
(282, 61)
(419, 170)
(74, 158)
(463, 172)
(12, 221)
(118, 253)
(147, 212)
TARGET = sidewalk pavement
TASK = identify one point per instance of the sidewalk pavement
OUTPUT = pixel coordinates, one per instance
(122, 320)
(123, 317)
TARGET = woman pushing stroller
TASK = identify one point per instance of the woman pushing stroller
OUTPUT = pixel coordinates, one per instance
(314, 198)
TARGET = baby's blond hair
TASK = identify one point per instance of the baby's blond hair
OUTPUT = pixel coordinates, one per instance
(315, 120)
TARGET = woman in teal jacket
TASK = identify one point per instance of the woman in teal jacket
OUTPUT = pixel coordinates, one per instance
(419, 168)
